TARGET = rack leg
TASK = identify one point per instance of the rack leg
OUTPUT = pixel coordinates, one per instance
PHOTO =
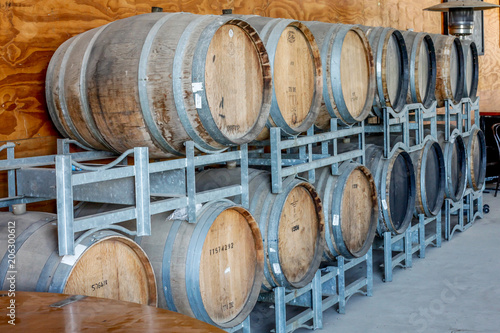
(421, 235)
(341, 280)
(280, 309)
(438, 230)
(409, 247)
(387, 257)
(447, 220)
(369, 273)
(317, 301)
(65, 222)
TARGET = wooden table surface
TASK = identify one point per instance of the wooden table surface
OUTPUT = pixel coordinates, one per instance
(34, 313)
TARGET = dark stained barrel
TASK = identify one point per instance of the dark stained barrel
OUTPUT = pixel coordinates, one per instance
(471, 75)
(450, 69)
(291, 224)
(297, 73)
(106, 264)
(348, 72)
(391, 66)
(350, 207)
(396, 188)
(430, 175)
(476, 158)
(455, 159)
(157, 80)
(422, 62)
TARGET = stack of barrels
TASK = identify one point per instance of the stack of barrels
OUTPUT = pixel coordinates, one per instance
(161, 79)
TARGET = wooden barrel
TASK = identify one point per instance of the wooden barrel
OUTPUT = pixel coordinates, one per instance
(210, 270)
(348, 73)
(37, 313)
(296, 70)
(391, 67)
(422, 61)
(291, 224)
(450, 69)
(157, 80)
(350, 209)
(106, 264)
(396, 188)
(455, 160)
(471, 68)
(430, 176)
(476, 158)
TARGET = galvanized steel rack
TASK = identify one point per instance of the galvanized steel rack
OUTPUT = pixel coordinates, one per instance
(327, 289)
(299, 156)
(171, 183)
(308, 297)
(411, 118)
(461, 116)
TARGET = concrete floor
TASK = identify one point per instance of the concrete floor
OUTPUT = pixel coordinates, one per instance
(456, 288)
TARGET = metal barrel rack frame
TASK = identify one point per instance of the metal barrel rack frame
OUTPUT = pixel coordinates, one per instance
(327, 289)
(300, 156)
(409, 123)
(460, 117)
(115, 183)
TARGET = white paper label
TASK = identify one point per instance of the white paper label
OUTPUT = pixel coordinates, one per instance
(384, 204)
(335, 221)
(197, 100)
(197, 86)
(272, 250)
(227, 270)
(277, 268)
(231, 33)
(70, 260)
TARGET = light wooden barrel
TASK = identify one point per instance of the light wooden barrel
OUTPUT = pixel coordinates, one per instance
(210, 270)
(471, 68)
(297, 74)
(391, 66)
(291, 224)
(348, 73)
(476, 158)
(157, 80)
(350, 209)
(396, 188)
(450, 69)
(430, 176)
(455, 160)
(422, 62)
(106, 264)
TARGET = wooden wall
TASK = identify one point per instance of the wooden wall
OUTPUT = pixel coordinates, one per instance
(31, 30)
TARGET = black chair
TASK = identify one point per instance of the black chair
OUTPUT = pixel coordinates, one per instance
(496, 135)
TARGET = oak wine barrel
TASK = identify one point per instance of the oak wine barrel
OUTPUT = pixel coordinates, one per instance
(422, 61)
(396, 188)
(348, 73)
(450, 69)
(391, 67)
(291, 224)
(476, 158)
(106, 264)
(157, 80)
(37, 312)
(210, 270)
(430, 177)
(296, 70)
(455, 160)
(471, 68)
(350, 208)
